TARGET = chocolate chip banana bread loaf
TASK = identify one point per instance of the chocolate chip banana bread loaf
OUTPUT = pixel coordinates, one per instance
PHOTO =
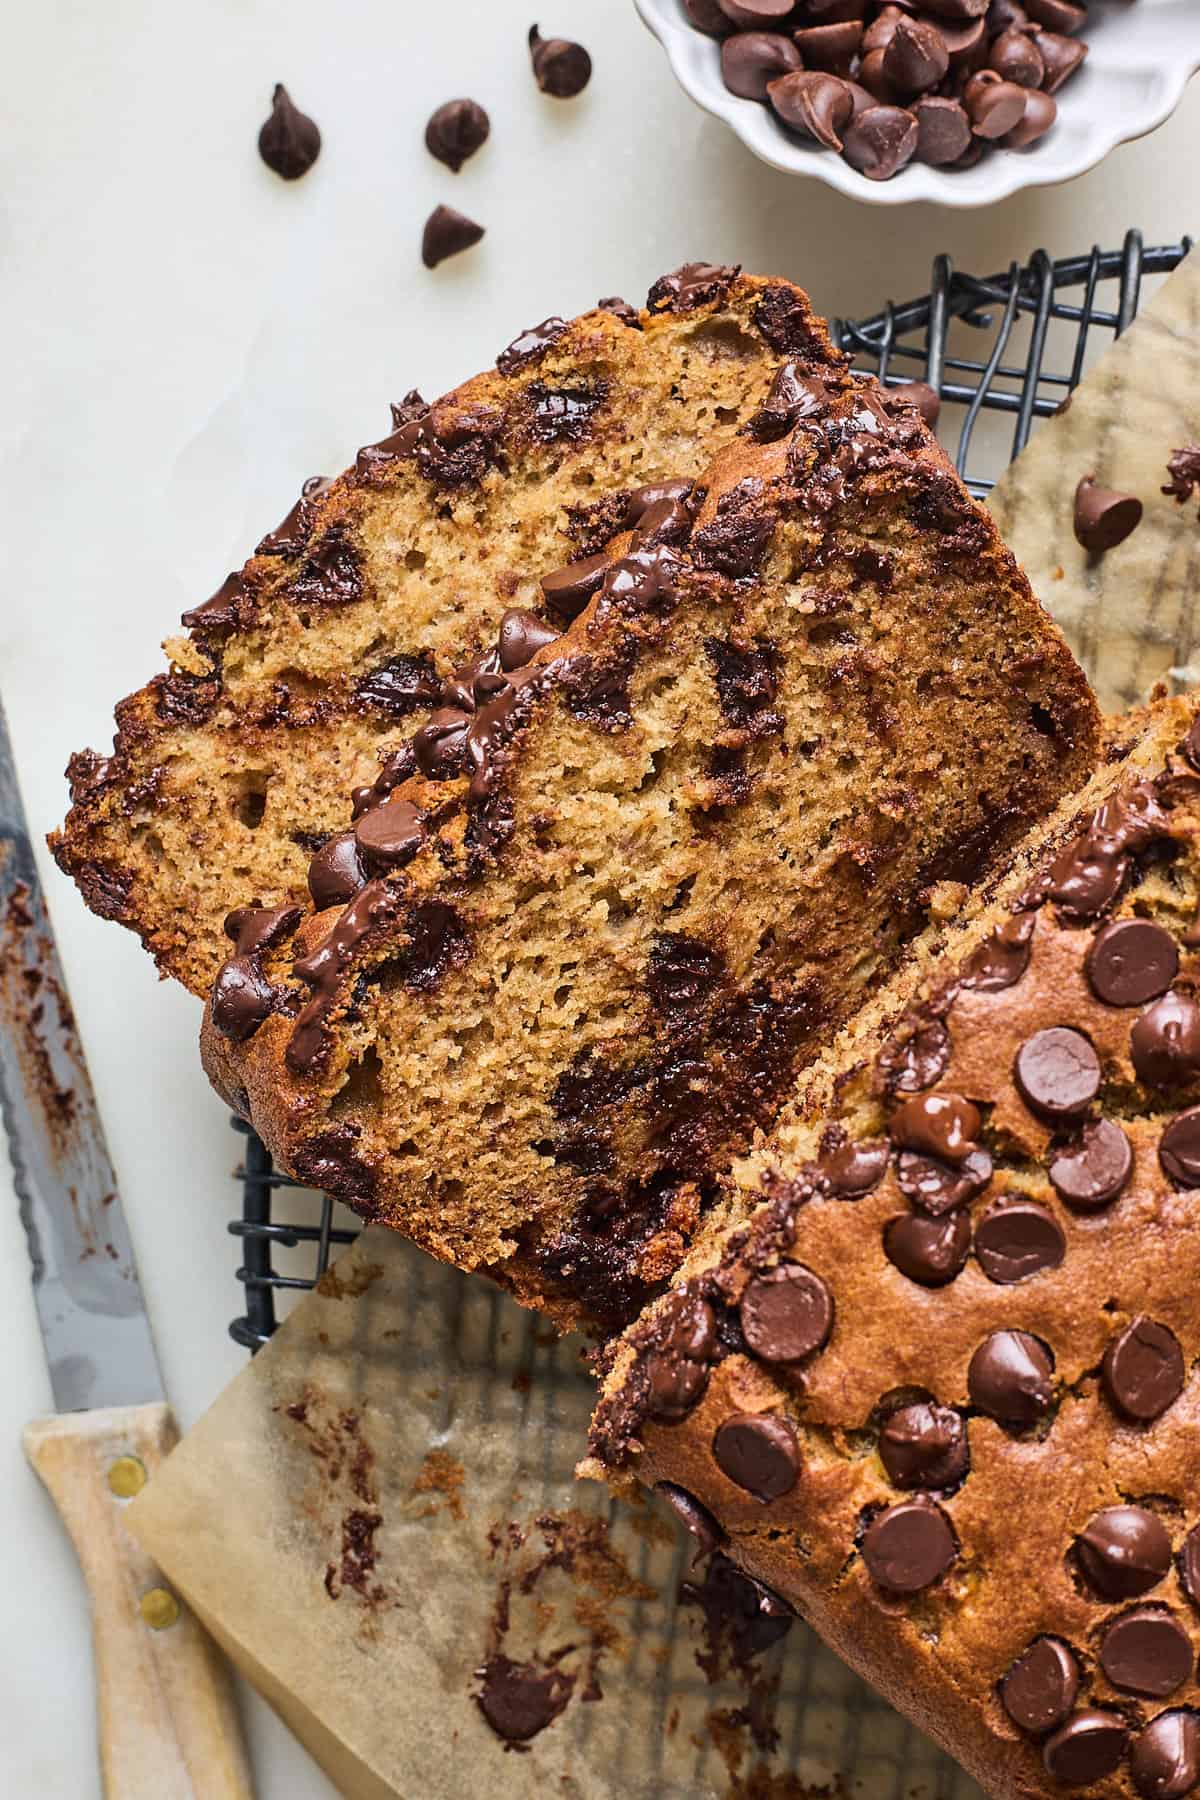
(626, 878)
(297, 678)
(939, 1390)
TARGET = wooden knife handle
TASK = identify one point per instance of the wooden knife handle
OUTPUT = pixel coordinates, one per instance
(167, 1721)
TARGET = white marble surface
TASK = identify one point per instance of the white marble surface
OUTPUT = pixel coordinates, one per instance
(188, 337)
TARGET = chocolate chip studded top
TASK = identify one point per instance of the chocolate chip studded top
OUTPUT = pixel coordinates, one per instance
(997, 1509)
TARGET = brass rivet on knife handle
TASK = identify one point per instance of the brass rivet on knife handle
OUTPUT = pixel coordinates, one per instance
(168, 1726)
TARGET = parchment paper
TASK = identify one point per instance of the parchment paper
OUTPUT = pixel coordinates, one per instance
(349, 1513)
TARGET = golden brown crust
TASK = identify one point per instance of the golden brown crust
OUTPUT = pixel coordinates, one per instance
(1067, 1012)
(706, 824)
(296, 679)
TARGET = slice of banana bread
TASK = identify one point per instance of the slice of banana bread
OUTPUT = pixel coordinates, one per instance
(939, 1391)
(303, 671)
(627, 878)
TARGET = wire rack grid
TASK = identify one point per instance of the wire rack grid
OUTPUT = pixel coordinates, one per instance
(1000, 351)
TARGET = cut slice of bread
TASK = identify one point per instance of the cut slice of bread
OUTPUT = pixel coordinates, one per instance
(630, 878)
(307, 667)
(931, 1373)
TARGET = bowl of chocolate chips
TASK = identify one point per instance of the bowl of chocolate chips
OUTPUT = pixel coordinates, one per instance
(962, 102)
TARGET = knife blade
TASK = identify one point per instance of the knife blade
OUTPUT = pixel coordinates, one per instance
(168, 1724)
(97, 1338)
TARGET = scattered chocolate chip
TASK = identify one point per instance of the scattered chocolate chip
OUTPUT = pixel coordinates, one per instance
(854, 1168)
(1042, 1686)
(817, 105)
(1010, 1377)
(930, 1252)
(917, 1060)
(1189, 1565)
(1165, 1041)
(1164, 1759)
(1002, 958)
(1041, 112)
(1124, 1552)
(1088, 1747)
(919, 394)
(389, 835)
(1179, 1149)
(746, 15)
(289, 143)
(1057, 15)
(560, 68)
(1057, 1072)
(1016, 1239)
(915, 57)
(335, 873)
(1104, 518)
(752, 59)
(292, 533)
(456, 131)
(1061, 57)
(520, 1699)
(941, 1125)
(1146, 1651)
(622, 310)
(1014, 57)
(698, 1520)
(529, 346)
(924, 1445)
(706, 16)
(994, 106)
(1091, 1172)
(446, 234)
(1132, 961)
(1143, 1369)
(909, 1547)
(935, 1187)
(568, 590)
(521, 636)
(880, 141)
(677, 1366)
(758, 1451)
(691, 285)
(786, 1313)
(1183, 475)
(832, 48)
(644, 499)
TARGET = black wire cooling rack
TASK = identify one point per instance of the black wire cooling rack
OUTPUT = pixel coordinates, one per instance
(1003, 350)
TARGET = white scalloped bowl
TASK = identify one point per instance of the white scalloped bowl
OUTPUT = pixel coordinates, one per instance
(1142, 53)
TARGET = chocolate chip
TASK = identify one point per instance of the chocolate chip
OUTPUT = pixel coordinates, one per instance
(752, 59)
(748, 14)
(994, 107)
(909, 1547)
(916, 1061)
(1103, 517)
(698, 1520)
(560, 68)
(1015, 58)
(691, 285)
(915, 57)
(1124, 1552)
(929, 1251)
(1146, 1652)
(1164, 1759)
(1010, 1377)
(242, 998)
(935, 1187)
(389, 835)
(677, 1365)
(1016, 1239)
(642, 500)
(831, 48)
(293, 531)
(880, 141)
(622, 310)
(529, 346)
(1057, 1072)
(520, 1699)
(759, 1452)
(1165, 1041)
(1057, 15)
(1002, 957)
(919, 394)
(786, 1313)
(817, 105)
(1132, 961)
(447, 233)
(1041, 1687)
(1179, 1149)
(940, 1125)
(1091, 1172)
(1189, 1565)
(289, 143)
(1089, 1746)
(335, 873)
(568, 590)
(706, 16)
(521, 636)
(1143, 1369)
(924, 1445)
(854, 1168)
(1041, 112)
(456, 131)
